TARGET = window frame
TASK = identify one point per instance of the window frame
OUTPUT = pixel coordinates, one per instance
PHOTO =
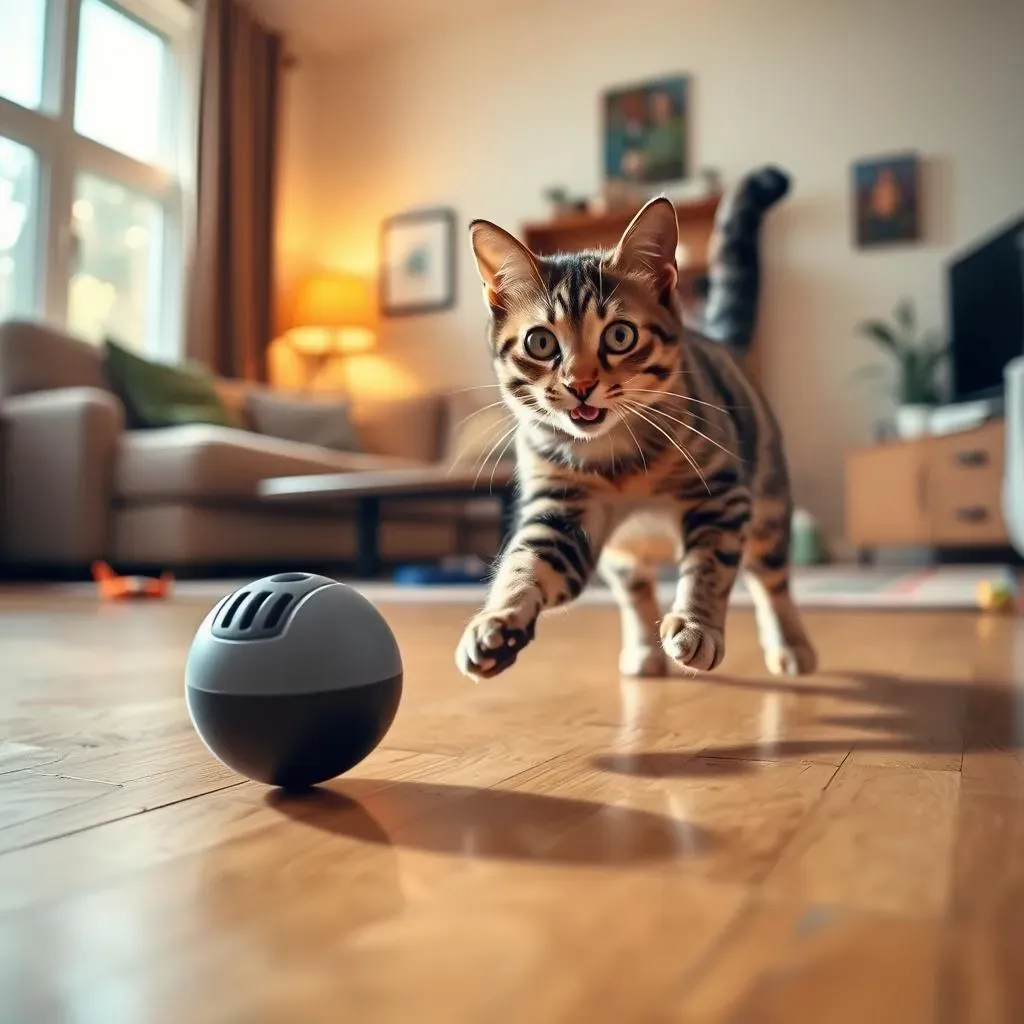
(62, 154)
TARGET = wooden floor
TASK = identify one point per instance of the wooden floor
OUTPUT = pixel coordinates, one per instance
(557, 846)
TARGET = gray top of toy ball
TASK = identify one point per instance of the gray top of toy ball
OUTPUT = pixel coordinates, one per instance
(290, 634)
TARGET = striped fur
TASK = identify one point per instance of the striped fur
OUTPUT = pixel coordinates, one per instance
(637, 444)
(733, 286)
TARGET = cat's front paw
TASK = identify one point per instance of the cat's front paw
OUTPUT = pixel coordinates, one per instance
(493, 640)
(691, 642)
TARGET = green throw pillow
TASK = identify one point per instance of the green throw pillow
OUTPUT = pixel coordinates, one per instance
(159, 395)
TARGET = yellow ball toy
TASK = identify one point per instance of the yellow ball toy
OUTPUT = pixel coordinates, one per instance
(995, 597)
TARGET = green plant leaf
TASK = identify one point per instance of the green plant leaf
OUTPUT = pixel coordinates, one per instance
(904, 314)
(931, 361)
(936, 343)
(881, 333)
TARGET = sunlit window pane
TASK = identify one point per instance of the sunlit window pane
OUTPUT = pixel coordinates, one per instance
(115, 289)
(119, 101)
(18, 229)
(22, 39)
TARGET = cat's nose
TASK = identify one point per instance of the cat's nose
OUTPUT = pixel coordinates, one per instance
(581, 389)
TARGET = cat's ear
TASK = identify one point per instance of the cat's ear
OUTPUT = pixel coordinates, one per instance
(648, 245)
(506, 266)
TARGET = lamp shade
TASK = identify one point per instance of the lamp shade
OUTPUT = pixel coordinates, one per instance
(334, 311)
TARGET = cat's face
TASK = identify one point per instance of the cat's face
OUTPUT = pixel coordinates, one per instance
(581, 340)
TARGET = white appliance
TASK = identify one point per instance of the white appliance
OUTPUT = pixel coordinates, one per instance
(1013, 478)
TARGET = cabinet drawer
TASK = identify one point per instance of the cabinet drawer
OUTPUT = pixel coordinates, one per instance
(885, 495)
(976, 453)
(965, 487)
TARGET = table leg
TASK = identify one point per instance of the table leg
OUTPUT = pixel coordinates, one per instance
(367, 537)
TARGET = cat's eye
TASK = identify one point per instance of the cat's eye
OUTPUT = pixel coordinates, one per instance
(541, 343)
(619, 337)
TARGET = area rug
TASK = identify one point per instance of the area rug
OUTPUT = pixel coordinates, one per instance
(828, 586)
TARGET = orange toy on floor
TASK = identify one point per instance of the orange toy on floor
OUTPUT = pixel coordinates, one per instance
(114, 587)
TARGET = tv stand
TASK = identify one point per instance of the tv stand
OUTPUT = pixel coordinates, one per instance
(940, 492)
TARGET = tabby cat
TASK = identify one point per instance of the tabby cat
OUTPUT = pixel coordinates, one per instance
(638, 442)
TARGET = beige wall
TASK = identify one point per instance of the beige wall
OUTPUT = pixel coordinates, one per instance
(485, 117)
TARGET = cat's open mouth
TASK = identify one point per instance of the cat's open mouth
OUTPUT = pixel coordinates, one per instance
(587, 415)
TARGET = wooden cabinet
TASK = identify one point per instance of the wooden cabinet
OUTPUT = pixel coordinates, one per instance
(934, 491)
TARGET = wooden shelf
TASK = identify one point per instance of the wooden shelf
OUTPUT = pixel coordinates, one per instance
(583, 230)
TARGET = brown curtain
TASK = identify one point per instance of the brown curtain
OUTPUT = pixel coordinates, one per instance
(230, 293)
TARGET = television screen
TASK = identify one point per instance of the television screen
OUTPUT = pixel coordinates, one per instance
(986, 312)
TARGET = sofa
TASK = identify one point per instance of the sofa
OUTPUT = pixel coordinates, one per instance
(78, 484)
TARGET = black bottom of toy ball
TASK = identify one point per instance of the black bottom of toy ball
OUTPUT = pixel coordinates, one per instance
(297, 741)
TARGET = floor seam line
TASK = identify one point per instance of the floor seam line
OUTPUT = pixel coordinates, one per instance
(123, 817)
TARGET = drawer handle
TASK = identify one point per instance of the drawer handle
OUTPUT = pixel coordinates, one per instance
(972, 457)
(975, 514)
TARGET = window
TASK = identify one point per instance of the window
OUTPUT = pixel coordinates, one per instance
(18, 229)
(21, 51)
(120, 91)
(116, 284)
(94, 99)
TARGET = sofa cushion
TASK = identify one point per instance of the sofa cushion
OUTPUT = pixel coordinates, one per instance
(305, 418)
(407, 427)
(209, 463)
(157, 394)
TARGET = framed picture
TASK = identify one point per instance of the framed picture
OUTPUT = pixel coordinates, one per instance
(646, 129)
(417, 266)
(887, 200)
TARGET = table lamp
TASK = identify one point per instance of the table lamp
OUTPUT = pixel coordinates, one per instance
(333, 316)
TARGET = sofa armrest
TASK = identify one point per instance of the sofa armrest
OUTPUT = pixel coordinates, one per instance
(59, 450)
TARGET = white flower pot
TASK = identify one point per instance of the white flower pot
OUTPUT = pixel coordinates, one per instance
(913, 420)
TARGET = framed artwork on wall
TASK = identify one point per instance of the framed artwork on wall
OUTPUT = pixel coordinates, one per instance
(417, 264)
(646, 131)
(887, 200)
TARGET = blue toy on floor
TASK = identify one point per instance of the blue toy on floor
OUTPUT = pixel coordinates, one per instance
(447, 572)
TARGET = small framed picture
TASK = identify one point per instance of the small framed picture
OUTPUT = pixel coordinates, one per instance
(417, 266)
(646, 131)
(887, 200)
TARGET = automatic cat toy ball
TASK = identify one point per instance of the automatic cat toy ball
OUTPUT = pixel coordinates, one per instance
(293, 680)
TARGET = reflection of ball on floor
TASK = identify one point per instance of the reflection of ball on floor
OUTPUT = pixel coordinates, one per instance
(293, 679)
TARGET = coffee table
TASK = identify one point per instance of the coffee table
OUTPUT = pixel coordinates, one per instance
(368, 489)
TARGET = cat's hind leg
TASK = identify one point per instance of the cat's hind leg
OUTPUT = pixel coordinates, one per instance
(632, 582)
(787, 648)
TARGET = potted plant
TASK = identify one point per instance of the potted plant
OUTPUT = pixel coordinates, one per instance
(919, 360)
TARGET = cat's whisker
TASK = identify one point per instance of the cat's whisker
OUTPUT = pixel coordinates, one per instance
(643, 459)
(497, 462)
(476, 412)
(684, 398)
(692, 429)
(486, 459)
(475, 387)
(686, 412)
(635, 409)
(485, 434)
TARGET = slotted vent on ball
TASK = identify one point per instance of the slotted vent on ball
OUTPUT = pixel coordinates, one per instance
(257, 614)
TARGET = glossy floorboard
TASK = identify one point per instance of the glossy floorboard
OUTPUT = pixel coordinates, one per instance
(557, 846)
